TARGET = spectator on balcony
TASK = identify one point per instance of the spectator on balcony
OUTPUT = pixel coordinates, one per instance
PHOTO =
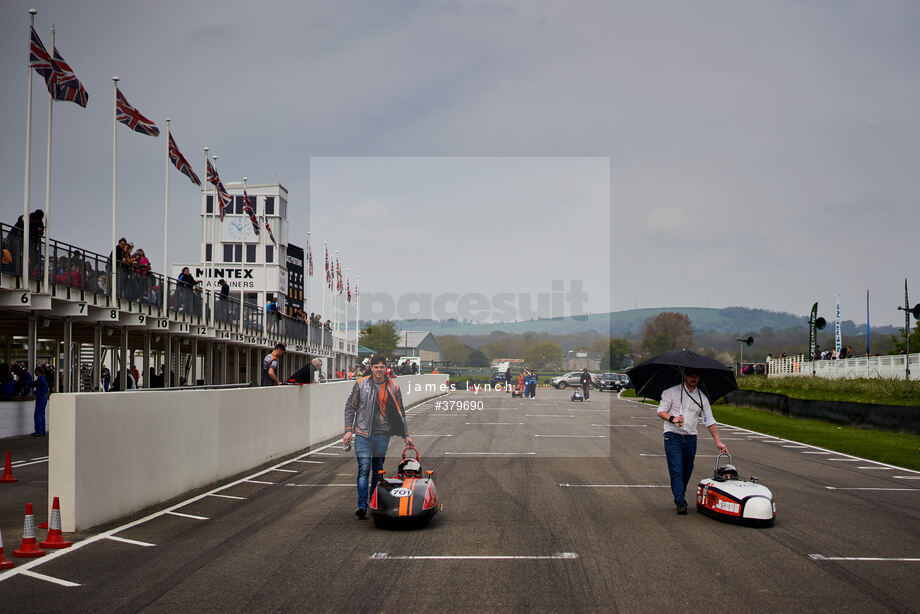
(62, 273)
(76, 275)
(224, 288)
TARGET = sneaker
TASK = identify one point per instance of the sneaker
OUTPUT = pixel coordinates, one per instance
(682, 508)
(360, 512)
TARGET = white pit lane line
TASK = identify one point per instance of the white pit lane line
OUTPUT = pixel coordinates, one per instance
(565, 485)
(821, 557)
(133, 542)
(386, 556)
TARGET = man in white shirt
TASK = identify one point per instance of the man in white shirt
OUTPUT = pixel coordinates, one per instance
(682, 408)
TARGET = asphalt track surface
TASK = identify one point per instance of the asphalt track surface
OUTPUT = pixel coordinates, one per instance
(578, 519)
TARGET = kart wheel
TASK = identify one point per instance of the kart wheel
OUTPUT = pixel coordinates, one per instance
(380, 522)
(561, 385)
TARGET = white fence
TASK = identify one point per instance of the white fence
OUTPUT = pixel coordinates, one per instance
(887, 367)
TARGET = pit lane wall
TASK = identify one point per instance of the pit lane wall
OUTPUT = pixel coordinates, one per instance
(113, 454)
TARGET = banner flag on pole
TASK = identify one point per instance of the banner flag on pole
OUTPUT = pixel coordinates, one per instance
(67, 86)
(180, 162)
(133, 118)
(812, 334)
(270, 235)
(310, 259)
(248, 210)
(328, 277)
(222, 195)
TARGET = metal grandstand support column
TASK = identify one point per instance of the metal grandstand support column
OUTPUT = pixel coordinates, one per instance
(248, 365)
(208, 363)
(123, 358)
(224, 348)
(33, 343)
(67, 367)
(167, 359)
(97, 358)
(146, 363)
(193, 372)
(235, 365)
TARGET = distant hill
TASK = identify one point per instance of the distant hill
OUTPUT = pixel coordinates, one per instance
(730, 320)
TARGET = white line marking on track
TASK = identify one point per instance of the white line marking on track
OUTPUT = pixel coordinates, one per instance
(192, 516)
(307, 461)
(845, 460)
(821, 557)
(591, 436)
(548, 416)
(634, 426)
(878, 468)
(130, 541)
(41, 576)
(495, 423)
(816, 452)
(39, 458)
(853, 488)
(212, 494)
(489, 453)
(800, 446)
(285, 470)
(319, 485)
(563, 485)
(327, 453)
(258, 482)
(906, 477)
(23, 464)
(697, 456)
(385, 556)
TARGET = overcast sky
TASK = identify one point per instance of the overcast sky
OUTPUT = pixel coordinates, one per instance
(757, 154)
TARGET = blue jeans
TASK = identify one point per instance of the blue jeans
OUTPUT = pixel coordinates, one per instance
(680, 451)
(370, 452)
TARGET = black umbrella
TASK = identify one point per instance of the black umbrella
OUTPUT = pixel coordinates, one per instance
(659, 373)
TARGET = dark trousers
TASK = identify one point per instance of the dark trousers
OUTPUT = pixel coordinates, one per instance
(680, 451)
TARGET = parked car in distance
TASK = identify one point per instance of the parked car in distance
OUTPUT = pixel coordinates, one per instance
(573, 379)
(610, 381)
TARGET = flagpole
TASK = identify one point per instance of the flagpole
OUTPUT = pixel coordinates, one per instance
(335, 295)
(48, 184)
(325, 280)
(346, 311)
(242, 261)
(25, 204)
(166, 214)
(114, 272)
(357, 314)
(306, 305)
(206, 231)
(264, 245)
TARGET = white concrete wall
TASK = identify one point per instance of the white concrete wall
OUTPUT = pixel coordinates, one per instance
(17, 418)
(114, 454)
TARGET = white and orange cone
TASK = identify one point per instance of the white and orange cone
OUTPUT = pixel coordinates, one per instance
(55, 536)
(4, 562)
(28, 548)
(8, 470)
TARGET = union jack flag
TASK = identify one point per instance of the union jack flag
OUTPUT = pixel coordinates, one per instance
(132, 118)
(181, 163)
(338, 272)
(310, 258)
(270, 235)
(328, 274)
(225, 199)
(39, 59)
(248, 210)
(347, 291)
(67, 86)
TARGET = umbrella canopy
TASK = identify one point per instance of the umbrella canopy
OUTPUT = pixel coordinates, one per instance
(659, 373)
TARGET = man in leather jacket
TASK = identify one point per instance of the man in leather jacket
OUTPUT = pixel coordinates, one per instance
(373, 413)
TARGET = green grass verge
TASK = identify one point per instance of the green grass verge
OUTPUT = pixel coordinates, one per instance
(878, 391)
(898, 449)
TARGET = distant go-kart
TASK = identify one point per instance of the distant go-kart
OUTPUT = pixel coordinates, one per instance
(726, 497)
(578, 395)
(409, 497)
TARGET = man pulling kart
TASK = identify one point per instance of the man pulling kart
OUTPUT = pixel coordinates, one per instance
(374, 412)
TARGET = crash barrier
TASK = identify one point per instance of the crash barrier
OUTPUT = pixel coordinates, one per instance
(886, 367)
(896, 418)
(114, 454)
(17, 417)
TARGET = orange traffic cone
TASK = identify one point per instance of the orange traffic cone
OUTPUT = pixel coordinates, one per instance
(8, 470)
(4, 563)
(55, 537)
(28, 549)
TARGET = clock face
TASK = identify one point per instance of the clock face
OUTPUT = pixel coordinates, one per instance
(239, 229)
(236, 229)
